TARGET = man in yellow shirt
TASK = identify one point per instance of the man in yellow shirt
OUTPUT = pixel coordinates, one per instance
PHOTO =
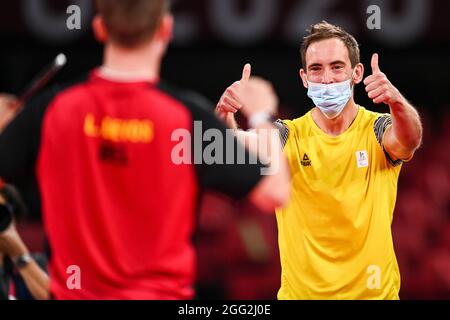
(335, 232)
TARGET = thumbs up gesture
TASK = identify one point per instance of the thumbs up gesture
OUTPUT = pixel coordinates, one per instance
(229, 102)
(246, 73)
(378, 87)
(250, 95)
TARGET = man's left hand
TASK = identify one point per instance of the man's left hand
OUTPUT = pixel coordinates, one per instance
(378, 86)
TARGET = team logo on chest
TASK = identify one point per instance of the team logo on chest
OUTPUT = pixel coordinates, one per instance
(305, 162)
(362, 159)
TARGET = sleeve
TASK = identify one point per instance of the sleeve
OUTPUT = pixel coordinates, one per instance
(284, 131)
(381, 124)
(236, 171)
(20, 141)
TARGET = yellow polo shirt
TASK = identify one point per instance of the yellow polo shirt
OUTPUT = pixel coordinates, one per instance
(335, 233)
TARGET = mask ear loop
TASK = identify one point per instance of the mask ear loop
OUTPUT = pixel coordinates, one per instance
(352, 78)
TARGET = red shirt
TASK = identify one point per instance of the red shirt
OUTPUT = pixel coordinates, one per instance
(114, 204)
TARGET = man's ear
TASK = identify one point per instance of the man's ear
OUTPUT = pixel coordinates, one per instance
(358, 73)
(304, 78)
(99, 28)
(165, 30)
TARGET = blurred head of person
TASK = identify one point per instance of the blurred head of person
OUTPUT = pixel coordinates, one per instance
(134, 24)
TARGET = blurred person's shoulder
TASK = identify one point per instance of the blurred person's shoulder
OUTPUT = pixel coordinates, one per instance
(192, 99)
(41, 101)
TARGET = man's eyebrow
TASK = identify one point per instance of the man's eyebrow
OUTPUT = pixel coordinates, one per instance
(337, 62)
(332, 63)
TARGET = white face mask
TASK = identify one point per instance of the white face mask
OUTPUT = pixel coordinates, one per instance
(330, 98)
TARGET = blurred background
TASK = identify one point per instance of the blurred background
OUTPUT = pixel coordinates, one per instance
(237, 246)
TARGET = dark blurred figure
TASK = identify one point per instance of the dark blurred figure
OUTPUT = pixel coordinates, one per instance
(118, 208)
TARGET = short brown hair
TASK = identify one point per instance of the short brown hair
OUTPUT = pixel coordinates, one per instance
(131, 22)
(324, 30)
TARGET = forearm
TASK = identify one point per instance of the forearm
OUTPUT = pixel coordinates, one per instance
(406, 125)
(269, 145)
(11, 244)
(274, 188)
(35, 278)
(264, 142)
(36, 281)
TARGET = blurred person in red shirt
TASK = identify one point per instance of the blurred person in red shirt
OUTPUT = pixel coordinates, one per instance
(119, 212)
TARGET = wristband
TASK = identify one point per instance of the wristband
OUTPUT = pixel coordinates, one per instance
(22, 261)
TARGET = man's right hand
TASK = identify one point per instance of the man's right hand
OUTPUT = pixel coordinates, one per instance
(250, 95)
